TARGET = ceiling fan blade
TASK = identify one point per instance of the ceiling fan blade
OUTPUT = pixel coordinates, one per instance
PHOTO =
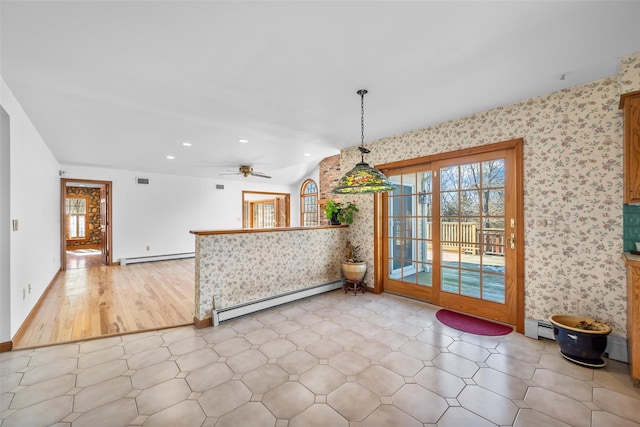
(230, 173)
(261, 175)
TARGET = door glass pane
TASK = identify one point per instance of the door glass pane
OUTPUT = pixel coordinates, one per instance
(450, 280)
(404, 207)
(449, 232)
(424, 249)
(470, 283)
(449, 204)
(449, 178)
(409, 183)
(81, 226)
(472, 229)
(493, 287)
(470, 203)
(470, 176)
(72, 227)
(425, 204)
(404, 228)
(425, 274)
(471, 258)
(269, 215)
(493, 202)
(493, 174)
(450, 254)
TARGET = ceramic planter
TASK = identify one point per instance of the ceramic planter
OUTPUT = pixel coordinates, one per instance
(354, 271)
(580, 345)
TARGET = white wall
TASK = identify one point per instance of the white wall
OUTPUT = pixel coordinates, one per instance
(5, 236)
(161, 214)
(34, 202)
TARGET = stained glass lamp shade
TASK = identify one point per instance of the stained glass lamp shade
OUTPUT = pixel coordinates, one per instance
(363, 178)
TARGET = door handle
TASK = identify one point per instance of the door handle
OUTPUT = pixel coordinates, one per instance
(512, 240)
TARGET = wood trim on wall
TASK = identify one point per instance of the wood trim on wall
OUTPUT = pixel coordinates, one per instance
(204, 323)
(625, 96)
(6, 346)
(451, 154)
(261, 230)
(378, 243)
(519, 161)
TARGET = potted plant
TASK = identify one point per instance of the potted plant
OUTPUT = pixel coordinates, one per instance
(340, 213)
(582, 340)
(353, 268)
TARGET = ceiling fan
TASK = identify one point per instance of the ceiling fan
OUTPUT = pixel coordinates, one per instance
(246, 171)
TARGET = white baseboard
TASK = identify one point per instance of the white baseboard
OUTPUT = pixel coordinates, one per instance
(616, 346)
(125, 261)
(253, 306)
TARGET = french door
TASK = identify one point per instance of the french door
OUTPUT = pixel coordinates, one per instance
(452, 231)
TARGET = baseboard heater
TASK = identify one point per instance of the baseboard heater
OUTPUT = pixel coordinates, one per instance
(616, 346)
(126, 261)
(257, 305)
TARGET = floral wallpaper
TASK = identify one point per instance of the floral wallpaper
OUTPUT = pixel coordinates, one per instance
(573, 152)
(630, 73)
(233, 269)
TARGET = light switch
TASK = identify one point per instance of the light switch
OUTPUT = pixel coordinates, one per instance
(14, 224)
(546, 222)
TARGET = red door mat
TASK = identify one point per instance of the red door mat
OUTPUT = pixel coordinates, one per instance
(470, 324)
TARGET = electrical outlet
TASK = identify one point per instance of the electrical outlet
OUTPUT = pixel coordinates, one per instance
(148, 248)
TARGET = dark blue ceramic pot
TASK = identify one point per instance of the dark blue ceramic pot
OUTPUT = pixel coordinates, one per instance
(582, 346)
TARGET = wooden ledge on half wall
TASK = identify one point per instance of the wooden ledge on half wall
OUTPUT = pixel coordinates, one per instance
(261, 230)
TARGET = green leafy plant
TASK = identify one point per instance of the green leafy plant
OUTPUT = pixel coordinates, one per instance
(344, 212)
(353, 253)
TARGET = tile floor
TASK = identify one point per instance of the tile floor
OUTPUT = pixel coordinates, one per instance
(330, 360)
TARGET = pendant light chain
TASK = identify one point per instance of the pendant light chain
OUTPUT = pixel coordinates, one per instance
(362, 92)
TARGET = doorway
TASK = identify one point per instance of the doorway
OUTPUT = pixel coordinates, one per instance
(452, 231)
(265, 210)
(86, 233)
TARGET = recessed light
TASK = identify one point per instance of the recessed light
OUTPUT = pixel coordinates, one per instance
(171, 157)
(186, 144)
(243, 141)
(307, 154)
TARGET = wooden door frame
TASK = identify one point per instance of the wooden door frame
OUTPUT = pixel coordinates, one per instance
(63, 224)
(378, 211)
(287, 202)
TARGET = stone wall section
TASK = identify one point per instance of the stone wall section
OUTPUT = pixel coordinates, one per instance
(93, 217)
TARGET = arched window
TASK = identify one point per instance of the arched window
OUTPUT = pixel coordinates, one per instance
(309, 204)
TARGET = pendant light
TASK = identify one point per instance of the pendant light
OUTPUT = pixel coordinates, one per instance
(363, 178)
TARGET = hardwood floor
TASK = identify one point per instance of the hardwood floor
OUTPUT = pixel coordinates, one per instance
(102, 301)
(83, 259)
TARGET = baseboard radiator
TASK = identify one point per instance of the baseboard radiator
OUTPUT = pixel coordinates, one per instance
(257, 305)
(616, 346)
(126, 261)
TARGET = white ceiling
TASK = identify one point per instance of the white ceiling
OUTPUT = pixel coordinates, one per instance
(120, 84)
